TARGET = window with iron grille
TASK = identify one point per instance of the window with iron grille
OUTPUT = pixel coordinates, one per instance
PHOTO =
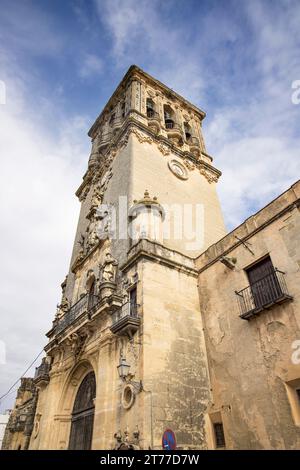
(219, 435)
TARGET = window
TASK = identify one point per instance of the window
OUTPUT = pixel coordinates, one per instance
(188, 132)
(168, 116)
(133, 304)
(219, 435)
(293, 393)
(215, 430)
(150, 108)
(91, 295)
(264, 284)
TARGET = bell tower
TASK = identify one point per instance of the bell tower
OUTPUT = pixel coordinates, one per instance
(129, 316)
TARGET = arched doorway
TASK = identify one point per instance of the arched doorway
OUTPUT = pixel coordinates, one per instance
(83, 415)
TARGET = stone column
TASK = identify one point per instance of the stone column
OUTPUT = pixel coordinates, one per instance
(106, 397)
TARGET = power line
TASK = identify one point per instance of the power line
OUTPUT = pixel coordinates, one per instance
(17, 381)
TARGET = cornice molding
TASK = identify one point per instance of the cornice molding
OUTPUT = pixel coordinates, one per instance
(144, 135)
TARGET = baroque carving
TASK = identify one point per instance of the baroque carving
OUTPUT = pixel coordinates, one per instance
(124, 442)
(77, 342)
(190, 166)
(109, 269)
(164, 149)
(97, 197)
(209, 175)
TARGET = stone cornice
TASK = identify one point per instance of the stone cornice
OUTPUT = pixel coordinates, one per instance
(157, 253)
(286, 202)
(145, 134)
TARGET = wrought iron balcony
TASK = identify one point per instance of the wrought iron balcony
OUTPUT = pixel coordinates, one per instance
(125, 320)
(151, 114)
(173, 129)
(153, 120)
(263, 294)
(41, 375)
(85, 304)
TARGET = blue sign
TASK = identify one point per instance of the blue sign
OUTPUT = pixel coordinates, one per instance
(168, 440)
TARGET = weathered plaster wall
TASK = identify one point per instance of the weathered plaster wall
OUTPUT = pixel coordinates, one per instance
(250, 361)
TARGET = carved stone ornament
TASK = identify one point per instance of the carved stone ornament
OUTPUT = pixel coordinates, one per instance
(125, 442)
(62, 308)
(190, 166)
(164, 149)
(141, 137)
(209, 175)
(178, 169)
(77, 343)
(97, 197)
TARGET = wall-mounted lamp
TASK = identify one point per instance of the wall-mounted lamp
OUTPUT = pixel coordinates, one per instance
(123, 368)
(124, 374)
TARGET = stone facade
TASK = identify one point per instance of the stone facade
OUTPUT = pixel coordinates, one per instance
(20, 423)
(150, 320)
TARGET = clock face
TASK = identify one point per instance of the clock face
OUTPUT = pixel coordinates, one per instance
(178, 169)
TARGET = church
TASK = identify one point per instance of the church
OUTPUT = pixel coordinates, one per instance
(166, 322)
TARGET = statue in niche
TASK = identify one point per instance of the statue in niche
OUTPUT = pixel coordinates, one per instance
(92, 235)
(109, 268)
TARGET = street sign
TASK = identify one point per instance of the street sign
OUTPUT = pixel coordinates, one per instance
(168, 440)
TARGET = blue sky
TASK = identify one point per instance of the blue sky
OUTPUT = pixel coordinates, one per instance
(60, 62)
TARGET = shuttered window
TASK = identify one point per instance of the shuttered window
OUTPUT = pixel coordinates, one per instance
(219, 435)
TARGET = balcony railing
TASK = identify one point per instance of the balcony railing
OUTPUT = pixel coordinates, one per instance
(84, 304)
(151, 114)
(263, 294)
(171, 125)
(125, 320)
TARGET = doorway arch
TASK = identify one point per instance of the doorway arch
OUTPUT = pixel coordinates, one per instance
(82, 421)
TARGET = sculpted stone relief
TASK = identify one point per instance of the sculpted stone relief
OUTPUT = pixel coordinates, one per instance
(109, 269)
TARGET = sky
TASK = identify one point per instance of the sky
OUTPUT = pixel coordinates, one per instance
(60, 62)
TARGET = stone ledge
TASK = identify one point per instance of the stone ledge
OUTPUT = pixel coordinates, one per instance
(154, 251)
(285, 202)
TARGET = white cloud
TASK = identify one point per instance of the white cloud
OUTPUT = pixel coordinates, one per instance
(39, 175)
